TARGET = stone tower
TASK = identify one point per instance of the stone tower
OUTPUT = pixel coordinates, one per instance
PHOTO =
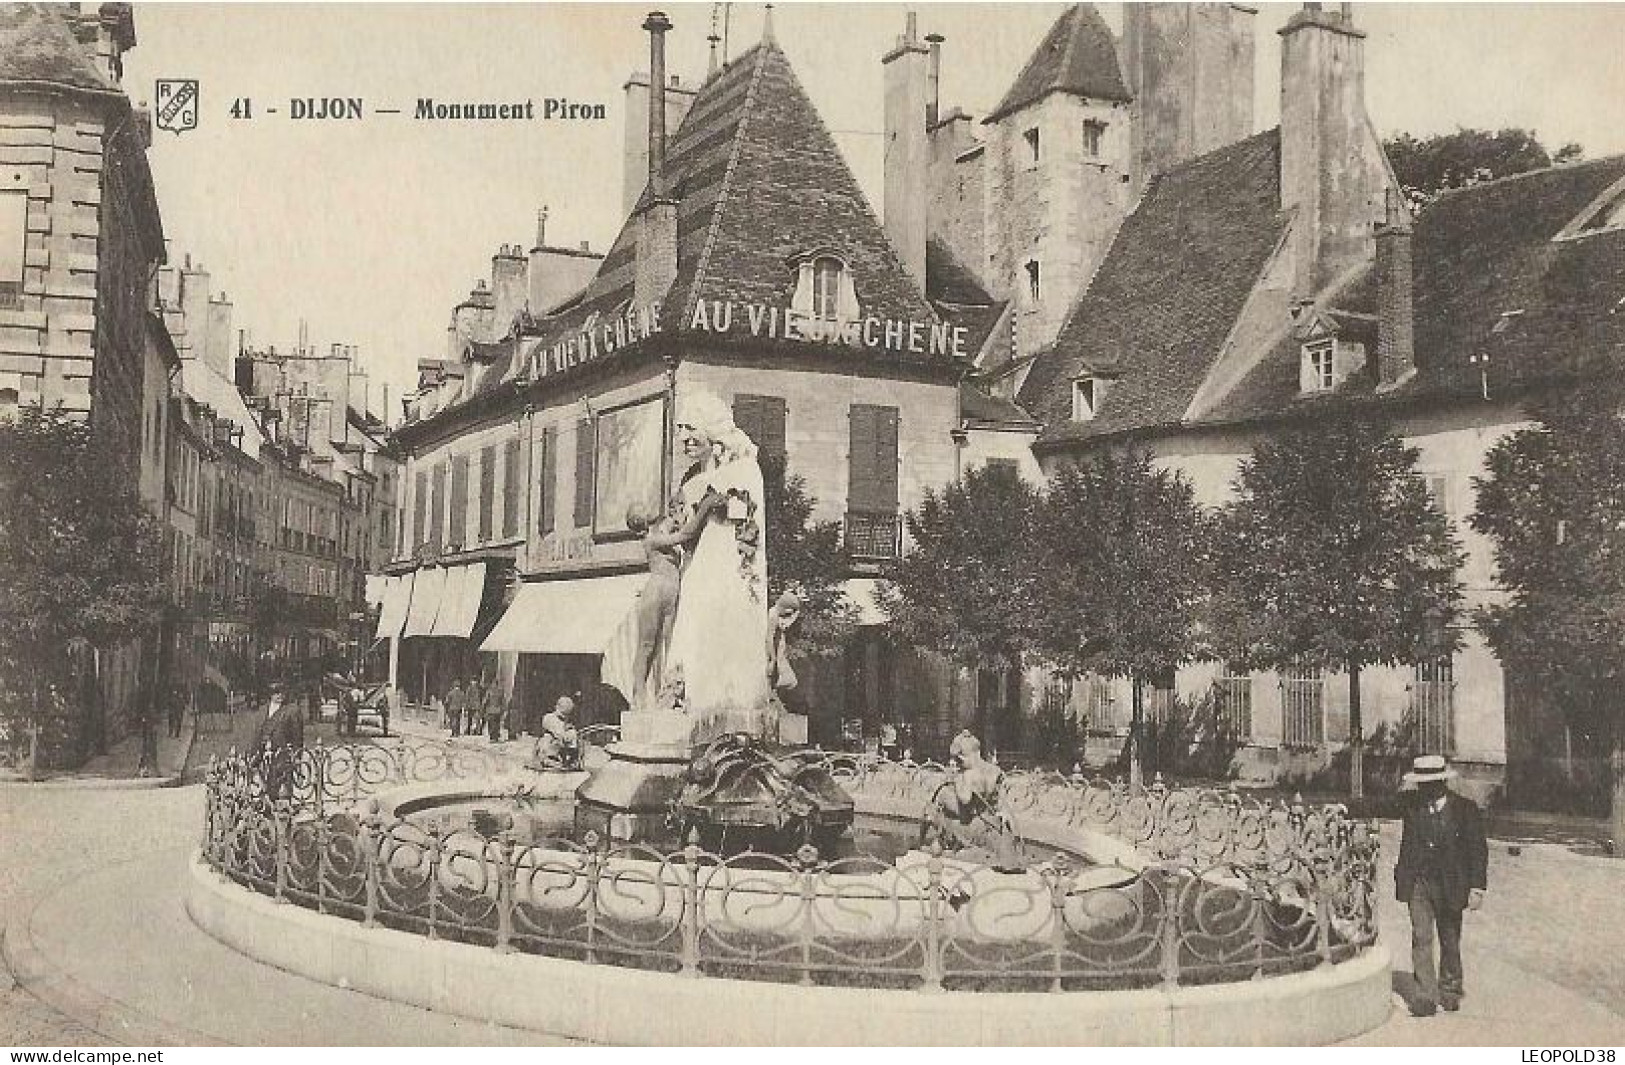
(1190, 69)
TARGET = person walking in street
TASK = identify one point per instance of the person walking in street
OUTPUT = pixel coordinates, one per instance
(176, 708)
(1441, 872)
(495, 709)
(277, 741)
(456, 706)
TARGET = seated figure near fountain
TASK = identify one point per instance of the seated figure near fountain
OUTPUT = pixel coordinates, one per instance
(964, 815)
(559, 745)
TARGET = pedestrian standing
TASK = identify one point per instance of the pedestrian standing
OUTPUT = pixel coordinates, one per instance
(456, 706)
(176, 709)
(495, 709)
(1441, 872)
(474, 714)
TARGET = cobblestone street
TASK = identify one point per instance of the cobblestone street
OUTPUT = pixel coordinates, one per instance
(1543, 959)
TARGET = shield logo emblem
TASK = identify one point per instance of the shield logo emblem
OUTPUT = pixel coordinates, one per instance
(177, 104)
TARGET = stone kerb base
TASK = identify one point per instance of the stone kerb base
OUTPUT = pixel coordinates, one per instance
(609, 1004)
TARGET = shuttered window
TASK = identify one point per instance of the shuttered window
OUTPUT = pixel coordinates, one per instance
(510, 488)
(872, 463)
(437, 508)
(548, 502)
(762, 418)
(459, 501)
(584, 471)
(420, 514)
(488, 490)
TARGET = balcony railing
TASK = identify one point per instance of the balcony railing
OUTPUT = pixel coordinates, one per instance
(873, 535)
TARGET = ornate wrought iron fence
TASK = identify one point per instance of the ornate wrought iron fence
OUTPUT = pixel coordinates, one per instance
(1235, 889)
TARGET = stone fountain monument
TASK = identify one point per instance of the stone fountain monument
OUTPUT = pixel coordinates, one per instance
(706, 745)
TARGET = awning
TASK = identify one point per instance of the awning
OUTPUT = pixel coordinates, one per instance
(566, 617)
(427, 592)
(397, 599)
(374, 592)
(861, 593)
(460, 603)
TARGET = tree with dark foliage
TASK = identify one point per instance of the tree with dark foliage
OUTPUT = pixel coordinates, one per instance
(1553, 504)
(1333, 555)
(1122, 549)
(806, 557)
(81, 560)
(964, 588)
(1427, 166)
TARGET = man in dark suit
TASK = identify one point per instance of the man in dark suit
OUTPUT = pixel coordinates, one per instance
(282, 730)
(1441, 872)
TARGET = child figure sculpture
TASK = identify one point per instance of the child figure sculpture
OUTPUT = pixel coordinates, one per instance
(664, 537)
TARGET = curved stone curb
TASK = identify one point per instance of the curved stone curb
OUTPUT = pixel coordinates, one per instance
(97, 783)
(607, 1004)
(107, 1017)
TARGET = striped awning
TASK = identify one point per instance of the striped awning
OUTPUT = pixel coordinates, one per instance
(427, 592)
(397, 600)
(460, 602)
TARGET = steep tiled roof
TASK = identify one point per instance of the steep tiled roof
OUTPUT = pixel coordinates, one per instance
(37, 44)
(1160, 306)
(1488, 278)
(760, 185)
(958, 297)
(980, 406)
(1077, 56)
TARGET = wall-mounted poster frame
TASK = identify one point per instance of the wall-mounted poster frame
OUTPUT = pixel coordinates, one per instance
(631, 463)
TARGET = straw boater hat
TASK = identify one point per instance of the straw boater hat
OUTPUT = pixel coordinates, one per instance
(1426, 767)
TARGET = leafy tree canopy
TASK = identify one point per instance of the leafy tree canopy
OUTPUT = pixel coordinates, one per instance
(963, 589)
(1122, 547)
(80, 558)
(1427, 166)
(1332, 553)
(806, 556)
(1552, 502)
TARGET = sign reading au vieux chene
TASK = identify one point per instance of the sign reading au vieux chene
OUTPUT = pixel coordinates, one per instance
(598, 338)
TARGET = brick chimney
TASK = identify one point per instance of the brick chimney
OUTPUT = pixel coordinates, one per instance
(1332, 173)
(907, 72)
(509, 286)
(1396, 330)
(656, 266)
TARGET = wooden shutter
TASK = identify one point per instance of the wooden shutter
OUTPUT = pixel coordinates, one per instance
(488, 490)
(437, 508)
(510, 488)
(544, 509)
(762, 418)
(420, 505)
(584, 472)
(872, 460)
(458, 532)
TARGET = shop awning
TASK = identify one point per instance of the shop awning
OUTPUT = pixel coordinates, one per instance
(374, 591)
(427, 592)
(397, 599)
(566, 617)
(860, 592)
(460, 603)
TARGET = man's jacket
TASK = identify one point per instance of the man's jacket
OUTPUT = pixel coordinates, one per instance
(1450, 851)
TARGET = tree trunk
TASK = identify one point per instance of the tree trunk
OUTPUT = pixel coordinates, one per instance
(1136, 774)
(1356, 735)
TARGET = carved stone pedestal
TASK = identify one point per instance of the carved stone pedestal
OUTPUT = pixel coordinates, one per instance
(628, 799)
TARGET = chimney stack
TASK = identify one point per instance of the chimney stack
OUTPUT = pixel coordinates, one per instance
(906, 70)
(657, 24)
(1396, 329)
(1332, 172)
(933, 93)
(509, 286)
(656, 265)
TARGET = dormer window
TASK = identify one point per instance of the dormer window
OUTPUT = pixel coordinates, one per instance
(1093, 134)
(1031, 136)
(1319, 372)
(825, 291)
(1087, 394)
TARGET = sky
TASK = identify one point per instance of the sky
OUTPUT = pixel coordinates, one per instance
(371, 231)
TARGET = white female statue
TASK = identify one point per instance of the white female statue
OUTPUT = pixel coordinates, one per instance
(719, 635)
